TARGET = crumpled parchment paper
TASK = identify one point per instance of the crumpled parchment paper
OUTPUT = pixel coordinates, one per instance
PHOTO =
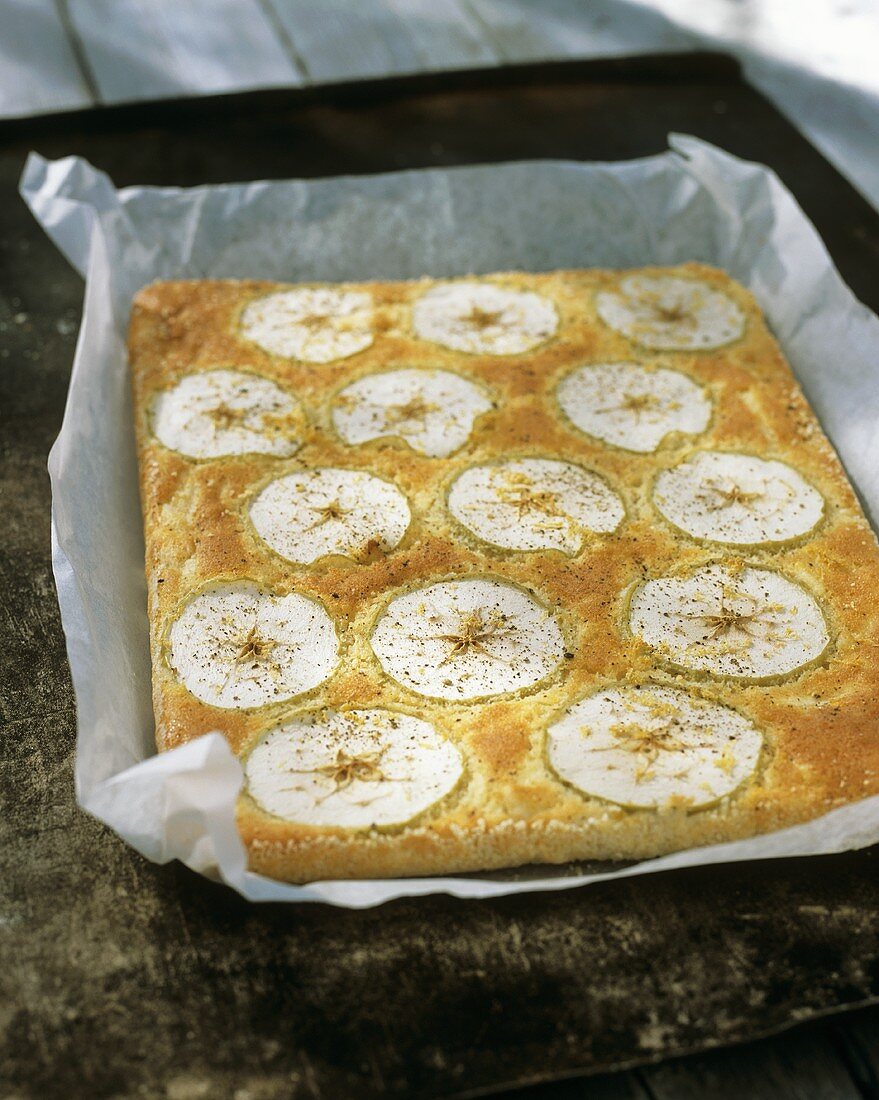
(693, 202)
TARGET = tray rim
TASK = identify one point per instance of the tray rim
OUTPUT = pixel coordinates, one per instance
(698, 66)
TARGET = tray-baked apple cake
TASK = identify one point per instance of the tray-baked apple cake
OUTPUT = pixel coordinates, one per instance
(486, 571)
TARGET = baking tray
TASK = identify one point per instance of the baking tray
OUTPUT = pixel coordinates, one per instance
(150, 976)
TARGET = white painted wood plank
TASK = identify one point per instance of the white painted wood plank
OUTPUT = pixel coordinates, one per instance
(347, 39)
(532, 30)
(153, 49)
(445, 34)
(38, 68)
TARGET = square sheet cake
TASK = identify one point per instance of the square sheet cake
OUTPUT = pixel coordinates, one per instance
(503, 569)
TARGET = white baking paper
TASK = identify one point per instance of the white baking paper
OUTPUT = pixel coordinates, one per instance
(694, 202)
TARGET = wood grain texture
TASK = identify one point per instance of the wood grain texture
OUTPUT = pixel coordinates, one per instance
(121, 978)
(800, 1067)
(38, 66)
(616, 1086)
(522, 31)
(141, 50)
(857, 1041)
(342, 41)
(444, 33)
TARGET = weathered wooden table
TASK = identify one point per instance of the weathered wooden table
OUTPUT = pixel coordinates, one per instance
(124, 979)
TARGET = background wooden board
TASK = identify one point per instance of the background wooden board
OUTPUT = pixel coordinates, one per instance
(39, 67)
(138, 49)
(814, 61)
(126, 979)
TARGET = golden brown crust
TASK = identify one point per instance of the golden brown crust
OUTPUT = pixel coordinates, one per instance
(819, 725)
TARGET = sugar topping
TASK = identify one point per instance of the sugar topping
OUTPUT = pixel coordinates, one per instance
(236, 646)
(747, 624)
(484, 319)
(316, 325)
(218, 413)
(534, 504)
(629, 406)
(667, 313)
(653, 748)
(311, 513)
(433, 411)
(355, 769)
(466, 639)
(737, 499)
